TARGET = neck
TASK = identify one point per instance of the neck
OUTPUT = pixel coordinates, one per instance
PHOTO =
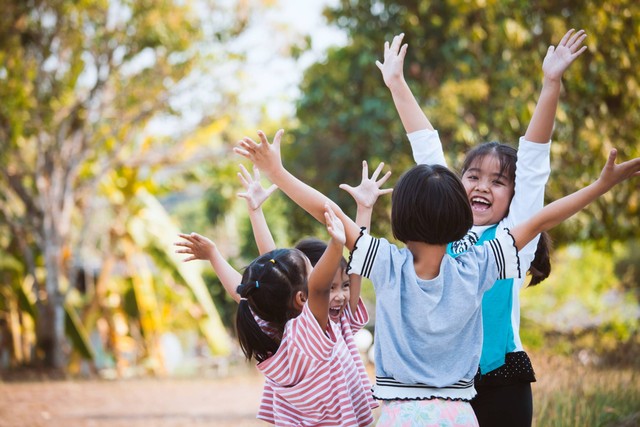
(426, 258)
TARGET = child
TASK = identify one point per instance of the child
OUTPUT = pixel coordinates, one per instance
(313, 371)
(428, 316)
(344, 290)
(490, 175)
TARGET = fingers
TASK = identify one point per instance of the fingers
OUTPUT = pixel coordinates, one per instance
(277, 138)
(572, 40)
(349, 189)
(242, 152)
(566, 37)
(365, 170)
(384, 179)
(403, 51)
(397, 40)
(271, 189)
(376, 172)
(263, 137)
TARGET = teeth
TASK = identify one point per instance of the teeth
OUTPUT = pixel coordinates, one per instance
(480, 200)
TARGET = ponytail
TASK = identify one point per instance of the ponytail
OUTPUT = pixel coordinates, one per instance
(269, 286)
(253, 341)
(541, 265)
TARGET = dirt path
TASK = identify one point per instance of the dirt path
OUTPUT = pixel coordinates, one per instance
(131, 403)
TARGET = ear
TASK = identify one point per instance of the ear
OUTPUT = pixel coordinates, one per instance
(299, 300)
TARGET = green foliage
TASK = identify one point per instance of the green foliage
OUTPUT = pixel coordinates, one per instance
(476, 69)
(583, 300)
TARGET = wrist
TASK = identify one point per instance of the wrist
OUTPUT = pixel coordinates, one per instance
(396, 83)
(336, 244)
(552, 81)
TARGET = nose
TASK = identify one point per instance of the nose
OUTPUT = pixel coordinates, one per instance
(482, 185)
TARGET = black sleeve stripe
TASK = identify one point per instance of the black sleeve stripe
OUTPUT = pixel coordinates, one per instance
(500, 258)
(372, 250)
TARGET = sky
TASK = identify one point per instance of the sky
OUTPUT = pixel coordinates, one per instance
(274, 81)
(267, 81)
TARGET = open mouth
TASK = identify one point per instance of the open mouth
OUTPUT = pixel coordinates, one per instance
(335, 311)
(480, 204)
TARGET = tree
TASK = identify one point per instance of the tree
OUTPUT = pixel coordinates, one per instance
(81, 81)
(476, 69)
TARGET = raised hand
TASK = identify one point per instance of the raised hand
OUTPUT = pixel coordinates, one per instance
(264, 155)
(334, 225)
(559, 58)
(199, 247)
(366, 194)
(392, 67)
(255, 194)
(613, 173)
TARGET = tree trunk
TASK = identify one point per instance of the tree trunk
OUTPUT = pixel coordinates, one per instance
(50, 335)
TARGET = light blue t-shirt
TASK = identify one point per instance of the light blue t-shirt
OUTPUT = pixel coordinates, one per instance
(428, 333)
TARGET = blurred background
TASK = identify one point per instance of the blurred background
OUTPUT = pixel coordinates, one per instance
(117, 120)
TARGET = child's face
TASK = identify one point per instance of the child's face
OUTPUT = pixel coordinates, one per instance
(489, 192)
(339, 295)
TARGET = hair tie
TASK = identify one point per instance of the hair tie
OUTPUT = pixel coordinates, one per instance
(243, 299)
(257, 284)
(272, 261)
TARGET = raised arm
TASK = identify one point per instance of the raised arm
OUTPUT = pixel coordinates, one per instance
(555, 63)
(255, 195)
(558, 211)
(366, 194)
(319, 284)
(411, 115)
(425, 141)
(199, 247)
(266, 156)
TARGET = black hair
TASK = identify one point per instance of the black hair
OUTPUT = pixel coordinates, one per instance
(269, 287)
(429, 204)
(507, 156)
(313, 248)
(541, 265)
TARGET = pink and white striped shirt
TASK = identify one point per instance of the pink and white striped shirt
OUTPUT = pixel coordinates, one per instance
(317, 378)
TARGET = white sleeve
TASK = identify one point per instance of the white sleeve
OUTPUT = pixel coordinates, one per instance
(506, 256)
(532, 173)
(363, 255)
(427, 147)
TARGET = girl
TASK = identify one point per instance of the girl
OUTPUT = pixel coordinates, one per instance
(491, 173)
(428, 304)
(313, 372)
(344, 290)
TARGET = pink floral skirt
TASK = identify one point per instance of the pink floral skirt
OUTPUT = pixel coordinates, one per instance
(427, 413)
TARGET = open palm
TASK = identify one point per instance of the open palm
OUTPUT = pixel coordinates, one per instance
(560, 57)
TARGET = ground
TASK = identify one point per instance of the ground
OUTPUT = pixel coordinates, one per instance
(225, 402)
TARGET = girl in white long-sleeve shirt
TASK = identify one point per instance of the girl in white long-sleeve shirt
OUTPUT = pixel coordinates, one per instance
(502, 192)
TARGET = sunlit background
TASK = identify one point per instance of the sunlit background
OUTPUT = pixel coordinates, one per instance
(117, 121)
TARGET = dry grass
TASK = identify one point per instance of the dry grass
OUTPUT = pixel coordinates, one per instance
(569, 393)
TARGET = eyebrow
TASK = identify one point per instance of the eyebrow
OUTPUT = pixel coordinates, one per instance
(499, 175)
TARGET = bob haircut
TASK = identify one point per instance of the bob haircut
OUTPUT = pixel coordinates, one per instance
(429, 204)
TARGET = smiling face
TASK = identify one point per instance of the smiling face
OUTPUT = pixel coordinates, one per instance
(489, 189)
(339, 295)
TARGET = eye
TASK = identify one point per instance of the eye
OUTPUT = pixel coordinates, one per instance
(346, 284)
(499, 182)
